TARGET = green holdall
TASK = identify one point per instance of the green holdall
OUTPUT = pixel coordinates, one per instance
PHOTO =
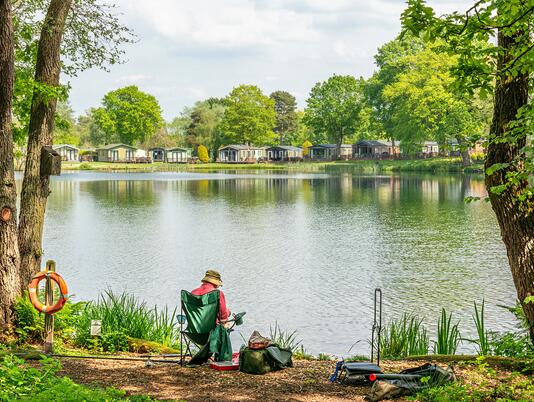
(262, 361)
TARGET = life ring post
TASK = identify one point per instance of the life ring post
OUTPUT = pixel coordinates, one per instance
(48, 346)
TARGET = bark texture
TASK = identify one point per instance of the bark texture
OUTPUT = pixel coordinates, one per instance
(516, 220)
(9, 253)
(35, 189)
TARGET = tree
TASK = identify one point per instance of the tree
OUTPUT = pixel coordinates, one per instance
(334, 107)
(203, 155)
(391, 62)
(424, 105)
(249, 117)
(88, 34)
(285, 106)
(66, 129)
(508, 63)
(129, 115)
(9, 252)
(204, 124)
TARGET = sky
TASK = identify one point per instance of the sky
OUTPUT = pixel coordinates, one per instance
(191, 50)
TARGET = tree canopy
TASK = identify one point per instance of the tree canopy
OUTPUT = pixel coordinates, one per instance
(334, 106)
(285, 106)
(249, 117)
(128, 115)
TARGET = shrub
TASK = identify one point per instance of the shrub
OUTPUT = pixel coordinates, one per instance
(30, 324)
(85, 166)
(510, 344)
(202, 153)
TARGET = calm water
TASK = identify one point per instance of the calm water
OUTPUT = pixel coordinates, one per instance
(305, 250)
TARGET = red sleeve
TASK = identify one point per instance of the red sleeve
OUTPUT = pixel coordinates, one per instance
(224, 312)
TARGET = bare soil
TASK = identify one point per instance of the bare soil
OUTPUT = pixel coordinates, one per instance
(306, 381)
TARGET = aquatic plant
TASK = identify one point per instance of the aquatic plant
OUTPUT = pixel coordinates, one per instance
(127, 315)
(482, 332)
(448, 335)
(284, 338)
(406, 336)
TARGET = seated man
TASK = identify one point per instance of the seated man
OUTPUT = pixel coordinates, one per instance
(212, 281)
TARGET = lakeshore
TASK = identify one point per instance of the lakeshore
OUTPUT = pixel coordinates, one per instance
(430, 165)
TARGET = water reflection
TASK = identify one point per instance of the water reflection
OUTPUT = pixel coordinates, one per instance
(304, 250)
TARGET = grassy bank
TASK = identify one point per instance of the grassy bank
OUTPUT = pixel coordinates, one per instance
(434, 165)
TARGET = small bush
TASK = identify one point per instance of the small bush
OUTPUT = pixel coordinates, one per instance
(85, 166)
(202, 153)
(510, 344)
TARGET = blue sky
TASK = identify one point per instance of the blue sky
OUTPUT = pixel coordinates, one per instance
(191, 50)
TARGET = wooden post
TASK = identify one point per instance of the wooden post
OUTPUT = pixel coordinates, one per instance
(49, 318)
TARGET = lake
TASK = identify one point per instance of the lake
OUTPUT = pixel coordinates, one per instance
(303, 250)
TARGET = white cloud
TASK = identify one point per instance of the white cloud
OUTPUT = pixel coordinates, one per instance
(228, 23)
(133, 78)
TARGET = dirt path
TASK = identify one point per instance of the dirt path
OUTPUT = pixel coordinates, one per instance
(306, 381)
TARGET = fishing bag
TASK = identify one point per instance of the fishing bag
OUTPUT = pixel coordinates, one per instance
(262, 361)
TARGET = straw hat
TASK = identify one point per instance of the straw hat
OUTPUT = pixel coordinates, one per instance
(212, 277)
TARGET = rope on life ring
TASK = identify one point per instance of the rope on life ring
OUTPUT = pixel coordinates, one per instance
(63, 292)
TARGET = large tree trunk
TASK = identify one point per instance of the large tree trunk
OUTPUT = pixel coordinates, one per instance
(516, 220)
(464, 151)
(9, 252)
(35, 189)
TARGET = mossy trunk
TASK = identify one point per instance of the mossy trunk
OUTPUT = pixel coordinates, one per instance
(35, 188)
(9, 252)
(516, 219)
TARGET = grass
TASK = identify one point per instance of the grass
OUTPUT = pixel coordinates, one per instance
(432, 165)
(20, 382)
(448, 335)
(404, 337)
(123, 316)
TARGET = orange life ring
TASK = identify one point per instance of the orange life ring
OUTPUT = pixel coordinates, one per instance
(63, 292)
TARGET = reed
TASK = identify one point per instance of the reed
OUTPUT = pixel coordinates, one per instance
(127, 315)
(483, 334)
(448, 335)
(284, 338)
(403, 337)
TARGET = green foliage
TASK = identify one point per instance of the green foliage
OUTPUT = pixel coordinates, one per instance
(448, 335)
(404, 337)
(20, 382)
(128, 115)
(287, 120)
(284, 338)
(333, 108)
(499, 60)
(201, 124)
(510, 344)
(30, 324)
(482, 332)
(482, 385)
(301, 354)
(125, 316)
(202, 152)
(249, 117)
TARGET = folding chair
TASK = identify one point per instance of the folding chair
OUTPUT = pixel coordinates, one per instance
(201, 316)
